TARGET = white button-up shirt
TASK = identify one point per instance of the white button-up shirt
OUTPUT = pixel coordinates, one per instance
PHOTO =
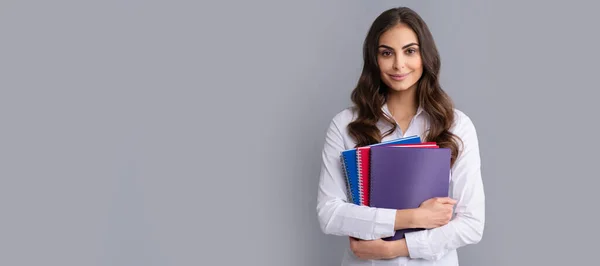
(437, 246)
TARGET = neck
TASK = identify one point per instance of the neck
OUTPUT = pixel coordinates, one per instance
(402, 104)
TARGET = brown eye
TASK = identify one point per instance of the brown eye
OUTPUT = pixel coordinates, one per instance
(386, 53)
(411, 51)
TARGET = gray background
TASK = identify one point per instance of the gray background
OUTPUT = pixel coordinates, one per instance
(187, 133)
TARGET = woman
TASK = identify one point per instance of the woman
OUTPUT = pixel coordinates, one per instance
(398, 95)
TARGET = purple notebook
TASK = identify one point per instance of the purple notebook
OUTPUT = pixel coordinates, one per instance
(402, 178)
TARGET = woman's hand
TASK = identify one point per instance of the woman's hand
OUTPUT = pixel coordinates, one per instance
(370, 249)
(378, 249)
(434, 212)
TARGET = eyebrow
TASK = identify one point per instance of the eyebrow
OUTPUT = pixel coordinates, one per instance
(403, 47)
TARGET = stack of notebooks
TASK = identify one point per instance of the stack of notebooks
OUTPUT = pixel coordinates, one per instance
(398, 174)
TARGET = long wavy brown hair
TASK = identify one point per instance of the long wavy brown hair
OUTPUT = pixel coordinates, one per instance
(370, 94)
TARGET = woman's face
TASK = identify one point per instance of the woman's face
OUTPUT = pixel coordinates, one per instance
(399, 58)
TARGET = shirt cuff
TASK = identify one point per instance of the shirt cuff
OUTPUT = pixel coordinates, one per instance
(385, 220)
(417, 245)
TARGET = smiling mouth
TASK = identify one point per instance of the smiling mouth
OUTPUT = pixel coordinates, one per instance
(400, 76)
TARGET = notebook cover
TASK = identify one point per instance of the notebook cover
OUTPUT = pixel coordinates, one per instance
(363, 174)
(403, 178)
(347, 178)
(363, 159)
(351, 170)
(351, 167)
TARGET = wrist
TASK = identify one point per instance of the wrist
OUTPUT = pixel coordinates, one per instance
(416, 218)
(398, 248)
(407, 218)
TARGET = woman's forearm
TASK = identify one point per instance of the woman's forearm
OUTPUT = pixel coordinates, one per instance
(405, 219)
(399, 248)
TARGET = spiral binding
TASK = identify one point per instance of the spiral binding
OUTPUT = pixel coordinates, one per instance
(344, 166)
(360, 183)
(371, 159)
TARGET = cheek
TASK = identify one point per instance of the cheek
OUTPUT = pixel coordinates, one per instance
(416, 64)
(384, 65)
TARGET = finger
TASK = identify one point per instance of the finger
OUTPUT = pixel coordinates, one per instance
(446, 200)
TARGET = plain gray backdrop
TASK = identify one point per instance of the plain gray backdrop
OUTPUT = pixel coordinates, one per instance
(189, 133)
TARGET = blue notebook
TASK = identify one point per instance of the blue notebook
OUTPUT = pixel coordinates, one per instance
(350, 166)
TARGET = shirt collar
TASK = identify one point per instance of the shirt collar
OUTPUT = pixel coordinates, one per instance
(387, 111)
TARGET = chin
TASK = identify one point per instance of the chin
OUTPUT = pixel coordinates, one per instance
(399, 86)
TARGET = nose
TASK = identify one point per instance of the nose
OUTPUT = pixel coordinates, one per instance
(399, 62)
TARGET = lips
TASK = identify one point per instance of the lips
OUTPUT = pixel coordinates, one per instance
(399, 76)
